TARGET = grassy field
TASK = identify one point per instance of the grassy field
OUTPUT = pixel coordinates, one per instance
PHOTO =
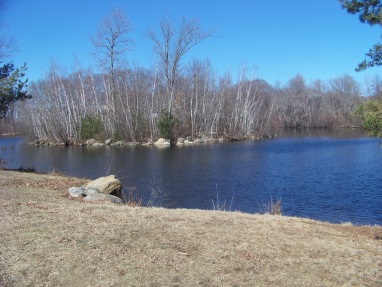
(47, 239)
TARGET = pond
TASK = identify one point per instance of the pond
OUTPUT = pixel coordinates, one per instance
(328, 175)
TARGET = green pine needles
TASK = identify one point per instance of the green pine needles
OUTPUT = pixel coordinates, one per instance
(168, 125)
(91, 127)
(370, 114)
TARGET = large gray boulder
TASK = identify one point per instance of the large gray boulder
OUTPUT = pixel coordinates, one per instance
(107, 184)
(76, 191)
(82, 191)
(101, 197)
(106, 188)
(89, 191)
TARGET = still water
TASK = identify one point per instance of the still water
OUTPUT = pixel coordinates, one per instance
(333, 176)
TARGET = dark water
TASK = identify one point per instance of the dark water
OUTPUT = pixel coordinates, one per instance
(333, 176)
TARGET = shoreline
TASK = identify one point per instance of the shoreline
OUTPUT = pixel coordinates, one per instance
(180, 140)
(31, 173)
(272, 208)
(49, 239)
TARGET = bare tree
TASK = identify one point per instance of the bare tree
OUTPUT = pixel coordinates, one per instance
(374, 86)
(171, 45)
(344, 92)
(293, 107)
(7, 47)
(111, 42)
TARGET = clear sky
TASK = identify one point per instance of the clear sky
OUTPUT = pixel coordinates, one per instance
(315, 38)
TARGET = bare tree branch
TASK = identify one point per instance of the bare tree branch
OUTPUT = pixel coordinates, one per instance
(171, 46)
(111, 40)
(111, 43)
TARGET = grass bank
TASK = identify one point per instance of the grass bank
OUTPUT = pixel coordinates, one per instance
(47, 239)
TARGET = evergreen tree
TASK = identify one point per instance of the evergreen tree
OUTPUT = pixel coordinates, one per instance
(12, 87)
(167, 125)
(371, 115)
(370, 11)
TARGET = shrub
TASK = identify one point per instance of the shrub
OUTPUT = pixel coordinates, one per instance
(272, 207)
(371, 115)
(132, 197)
(155, 190)
(222, 206)
(91, 127)
(167, 125)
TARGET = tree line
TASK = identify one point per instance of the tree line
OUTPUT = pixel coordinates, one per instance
(77, 106)
(174, 98)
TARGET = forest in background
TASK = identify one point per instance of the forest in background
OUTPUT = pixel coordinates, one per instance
(175, 99)
(77, 106)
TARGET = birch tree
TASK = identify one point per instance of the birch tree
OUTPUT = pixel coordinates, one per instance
(111, 42)
(171, 45)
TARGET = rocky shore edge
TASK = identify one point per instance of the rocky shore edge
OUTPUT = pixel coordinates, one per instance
(150, 142)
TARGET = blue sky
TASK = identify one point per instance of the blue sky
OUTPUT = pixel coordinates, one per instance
(315, 38)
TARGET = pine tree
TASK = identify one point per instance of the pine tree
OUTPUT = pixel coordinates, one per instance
(370, 11)
(12, 87)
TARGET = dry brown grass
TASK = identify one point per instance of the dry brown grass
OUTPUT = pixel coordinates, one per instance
(48, 240)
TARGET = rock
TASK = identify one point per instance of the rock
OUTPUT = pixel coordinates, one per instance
(76, 191)
(106, 188)
(166, 143)
(108, 141)
(90, 141)
(118, 143)
(180, 140)
(132, 143)
(103, 197)
(82, 191)
(149, 142)
(89, 191)
(160, 141)
(197, 141)
(107, 184)
(98, 144)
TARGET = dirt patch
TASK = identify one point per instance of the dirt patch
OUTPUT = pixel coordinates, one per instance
(48, 240)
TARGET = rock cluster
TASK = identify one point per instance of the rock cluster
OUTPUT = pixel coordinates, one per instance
(189, 140)
(103, 189)
(159, 143)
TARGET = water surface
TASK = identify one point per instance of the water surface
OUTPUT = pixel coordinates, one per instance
(332, 176)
